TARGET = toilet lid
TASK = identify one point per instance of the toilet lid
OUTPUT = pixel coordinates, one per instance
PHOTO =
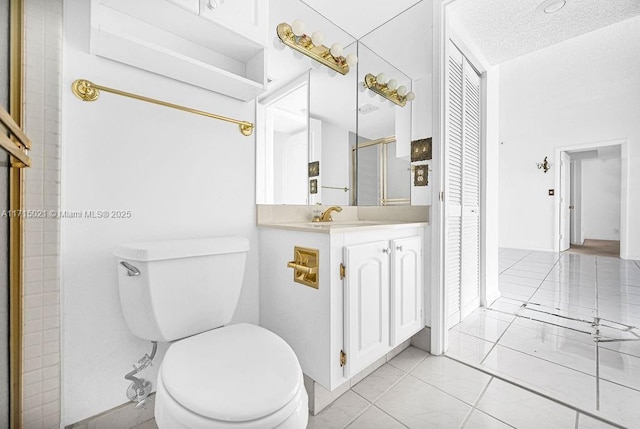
(235, 373)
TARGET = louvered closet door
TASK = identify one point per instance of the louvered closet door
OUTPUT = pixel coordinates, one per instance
(462, 188)
(470, 271)
(453, 189)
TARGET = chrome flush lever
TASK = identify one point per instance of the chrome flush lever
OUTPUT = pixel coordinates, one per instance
(131, 270)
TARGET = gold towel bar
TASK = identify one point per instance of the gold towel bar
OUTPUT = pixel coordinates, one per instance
(88, 91)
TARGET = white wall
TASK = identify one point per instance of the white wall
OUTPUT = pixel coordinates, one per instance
(580, 91)
(181, 176)
(601, 198)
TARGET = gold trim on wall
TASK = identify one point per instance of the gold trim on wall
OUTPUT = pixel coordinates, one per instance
(16, 178)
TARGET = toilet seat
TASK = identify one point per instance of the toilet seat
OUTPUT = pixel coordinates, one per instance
(240, 376)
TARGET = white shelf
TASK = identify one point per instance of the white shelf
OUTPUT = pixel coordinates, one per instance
(163, 38)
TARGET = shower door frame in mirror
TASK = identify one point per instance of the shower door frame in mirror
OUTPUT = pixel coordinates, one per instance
(15, 204)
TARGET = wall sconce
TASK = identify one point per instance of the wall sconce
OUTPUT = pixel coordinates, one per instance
(389, 89)
(544, 165)
(294, 36)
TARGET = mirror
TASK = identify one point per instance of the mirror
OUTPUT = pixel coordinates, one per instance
(384, 128)
(308, 160)
(284, 144)
(358, 144)
(395, 171)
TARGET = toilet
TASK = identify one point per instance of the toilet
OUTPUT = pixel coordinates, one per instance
(213, 375)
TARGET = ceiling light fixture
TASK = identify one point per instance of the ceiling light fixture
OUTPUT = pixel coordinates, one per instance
(551, 6)
(294, 36)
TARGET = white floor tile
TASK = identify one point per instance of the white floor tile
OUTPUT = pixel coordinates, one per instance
(557, 317)
(567, 298)
(629, 347)
(536, 275)
(522, 409)
(543, 329)
(418, 405)
(586, 422)
(564, 384)
(378, 382)
(374, 418)
(523, 281)
(480, 420)
(337, 415)
(620, 368)
(577, 355)
(467, 348)
(495, 314)
(620, 404)
(534, 267)
(482, 326)
(408, 359)
(456, 379)
(507, 305)
(517, 292)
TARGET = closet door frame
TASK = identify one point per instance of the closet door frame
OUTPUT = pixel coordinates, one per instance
(438, 296)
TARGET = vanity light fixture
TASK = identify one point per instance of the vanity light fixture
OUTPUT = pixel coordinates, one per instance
(544, 165)
(389, 89)
(295, 37)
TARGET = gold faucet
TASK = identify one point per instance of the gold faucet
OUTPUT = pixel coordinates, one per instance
(326, 215)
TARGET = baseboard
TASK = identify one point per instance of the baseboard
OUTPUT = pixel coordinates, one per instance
(125, 415)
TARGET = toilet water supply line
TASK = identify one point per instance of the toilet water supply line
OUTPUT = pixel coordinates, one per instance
(140, 388)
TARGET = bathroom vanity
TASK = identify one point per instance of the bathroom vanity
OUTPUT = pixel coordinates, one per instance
(369, 295)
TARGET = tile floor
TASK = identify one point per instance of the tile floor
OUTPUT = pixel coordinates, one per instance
(566, 326)
(417, 390)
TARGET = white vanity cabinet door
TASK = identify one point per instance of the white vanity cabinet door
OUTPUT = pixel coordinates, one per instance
(406, 288)
(192, 6)
(366, 304)
(247, 17)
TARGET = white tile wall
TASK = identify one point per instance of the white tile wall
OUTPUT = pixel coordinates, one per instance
(41, 264)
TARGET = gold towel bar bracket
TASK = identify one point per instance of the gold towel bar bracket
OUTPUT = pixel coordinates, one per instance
(86, 90)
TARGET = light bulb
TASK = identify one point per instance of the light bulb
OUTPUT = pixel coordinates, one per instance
(317, 38)
(298, 27)
(336, 50)
(352, 60)
(410, 96)
(381, 78)
(402, 90)
(392, 84)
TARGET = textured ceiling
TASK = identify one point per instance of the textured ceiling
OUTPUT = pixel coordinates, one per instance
(506, 29)
(359, 17)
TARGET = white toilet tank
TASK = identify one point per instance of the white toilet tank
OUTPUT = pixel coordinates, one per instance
(174, 289)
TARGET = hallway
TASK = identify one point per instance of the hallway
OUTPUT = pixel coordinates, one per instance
(610, 248)
(566, 327)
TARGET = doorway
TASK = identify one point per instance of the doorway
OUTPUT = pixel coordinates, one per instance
(591, 209)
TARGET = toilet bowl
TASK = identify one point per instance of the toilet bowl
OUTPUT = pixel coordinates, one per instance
(239, 376)
(214, 375)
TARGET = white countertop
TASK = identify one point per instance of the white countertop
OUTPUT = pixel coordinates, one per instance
(342, 226)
